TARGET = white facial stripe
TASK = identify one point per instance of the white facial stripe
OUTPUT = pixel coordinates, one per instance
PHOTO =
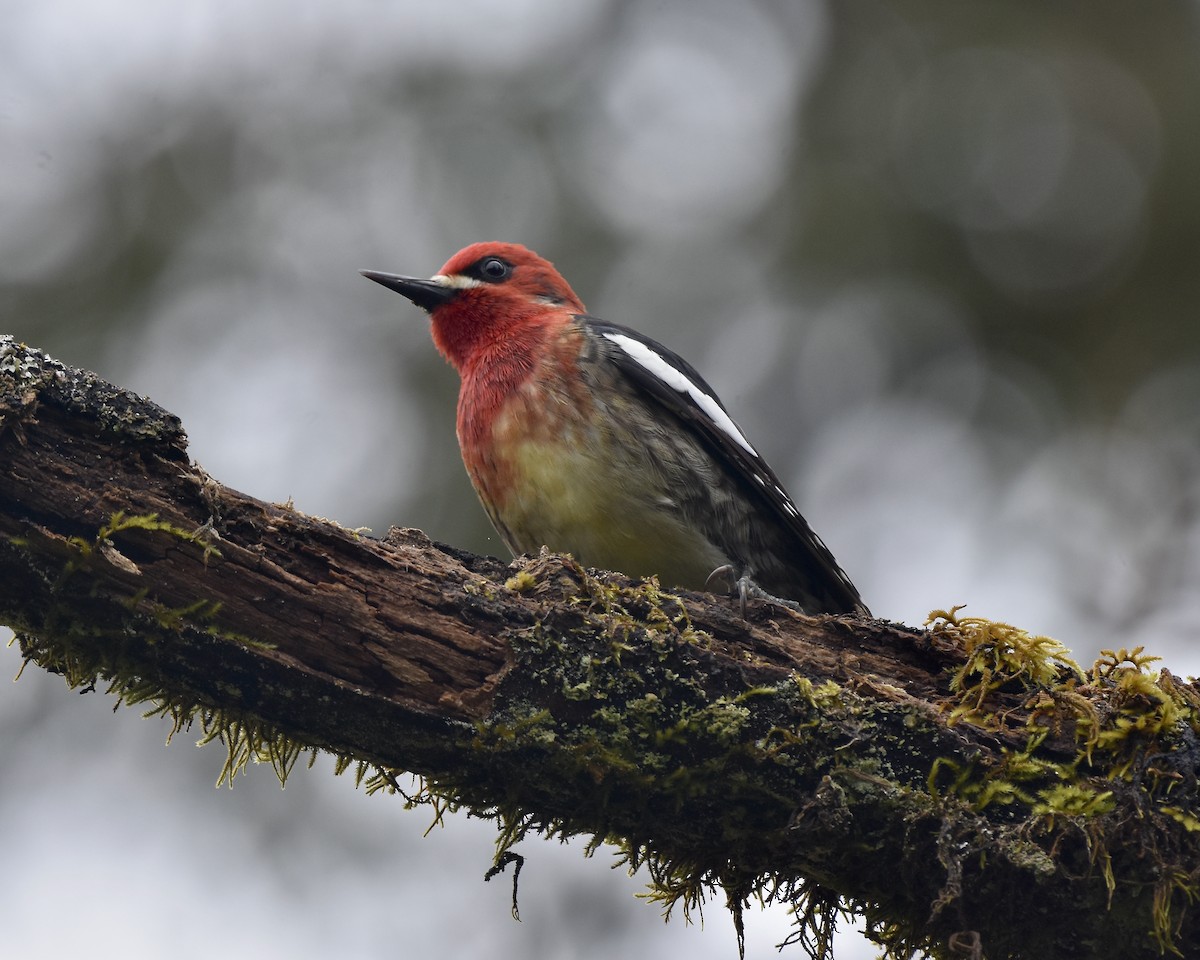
(676, 380)
(456, 281)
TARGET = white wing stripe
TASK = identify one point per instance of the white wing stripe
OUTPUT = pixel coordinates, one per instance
(677, 381)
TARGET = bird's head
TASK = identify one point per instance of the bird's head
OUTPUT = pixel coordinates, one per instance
(483, 294)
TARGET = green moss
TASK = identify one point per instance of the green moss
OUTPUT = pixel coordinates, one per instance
(1126, 722)
(102, 544)
(72, 649)
(244, 737)
(630, 725)
(521, 582)
(998, 656)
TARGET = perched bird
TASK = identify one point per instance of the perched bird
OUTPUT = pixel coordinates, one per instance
(591, 439)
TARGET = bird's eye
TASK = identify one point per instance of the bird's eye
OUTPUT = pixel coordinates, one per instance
(494, 269)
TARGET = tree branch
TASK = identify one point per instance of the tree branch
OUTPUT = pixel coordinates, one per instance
(960, 787)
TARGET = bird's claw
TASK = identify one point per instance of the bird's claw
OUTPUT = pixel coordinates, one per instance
(748, 588)
(724, 574)
(745, 587)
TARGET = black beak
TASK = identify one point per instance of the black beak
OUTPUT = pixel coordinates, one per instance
(424, 293)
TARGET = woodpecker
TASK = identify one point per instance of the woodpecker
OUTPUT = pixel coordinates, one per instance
(592, 439)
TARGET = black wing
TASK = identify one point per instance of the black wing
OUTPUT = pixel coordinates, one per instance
(790, 559)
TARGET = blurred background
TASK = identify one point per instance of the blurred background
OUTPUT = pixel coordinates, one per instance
(941, 261)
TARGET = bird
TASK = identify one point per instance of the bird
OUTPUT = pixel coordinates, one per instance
(589, 438)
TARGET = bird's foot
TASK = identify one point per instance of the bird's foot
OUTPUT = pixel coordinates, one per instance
(745, 588)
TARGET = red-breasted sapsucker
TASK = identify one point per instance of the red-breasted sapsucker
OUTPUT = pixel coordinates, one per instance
(591, 439)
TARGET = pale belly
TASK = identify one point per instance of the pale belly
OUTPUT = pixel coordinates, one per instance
(605, 514)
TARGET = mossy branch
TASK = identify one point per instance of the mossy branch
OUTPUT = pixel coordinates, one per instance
(967, 789)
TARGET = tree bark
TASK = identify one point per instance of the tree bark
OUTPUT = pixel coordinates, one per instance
(967, 798)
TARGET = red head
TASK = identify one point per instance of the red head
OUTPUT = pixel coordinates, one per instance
(484, 295)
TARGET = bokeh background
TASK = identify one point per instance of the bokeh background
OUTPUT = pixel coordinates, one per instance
(941, 260)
